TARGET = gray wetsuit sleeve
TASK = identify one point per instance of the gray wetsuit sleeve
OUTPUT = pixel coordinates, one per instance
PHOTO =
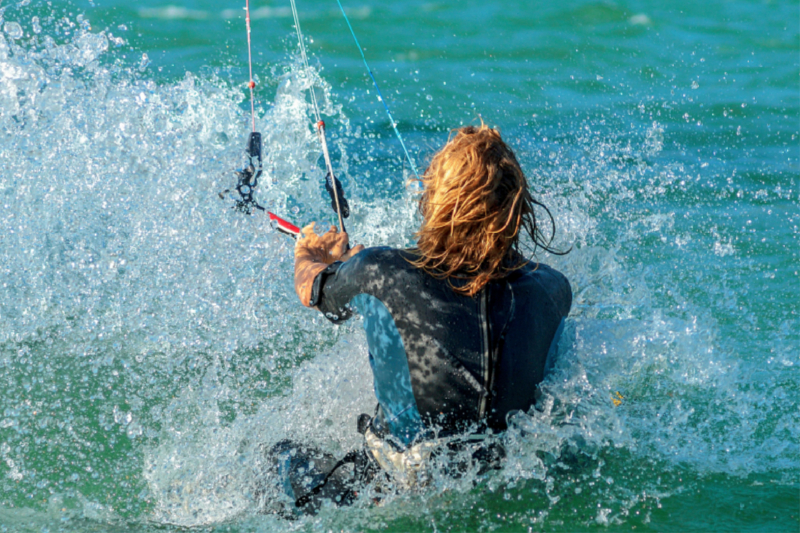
(336, 286)
(334, 309)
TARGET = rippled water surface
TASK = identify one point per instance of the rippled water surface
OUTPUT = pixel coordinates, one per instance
(151, 344)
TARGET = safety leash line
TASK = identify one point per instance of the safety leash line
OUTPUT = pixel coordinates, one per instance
(380, 95)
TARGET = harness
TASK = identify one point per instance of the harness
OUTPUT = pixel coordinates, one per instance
(406, 468)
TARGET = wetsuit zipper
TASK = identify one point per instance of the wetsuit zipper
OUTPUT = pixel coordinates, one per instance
(486, 357)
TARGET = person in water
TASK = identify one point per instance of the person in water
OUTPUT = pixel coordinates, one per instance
(461, 327)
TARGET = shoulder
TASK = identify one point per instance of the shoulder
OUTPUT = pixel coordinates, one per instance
(373, 271)
(376, 263)
(381, 271)
(380, 257)
(544, 271)
(551, 281)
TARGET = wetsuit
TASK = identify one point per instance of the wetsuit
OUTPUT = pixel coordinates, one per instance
(442, 360)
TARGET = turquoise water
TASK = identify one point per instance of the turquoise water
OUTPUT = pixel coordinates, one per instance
(150, 340)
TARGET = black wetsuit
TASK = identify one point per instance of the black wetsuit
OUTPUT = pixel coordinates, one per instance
(441, 359)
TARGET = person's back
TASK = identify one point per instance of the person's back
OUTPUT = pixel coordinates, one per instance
(443, 360)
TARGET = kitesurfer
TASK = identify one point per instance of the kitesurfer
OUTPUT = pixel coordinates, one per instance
(461, 327)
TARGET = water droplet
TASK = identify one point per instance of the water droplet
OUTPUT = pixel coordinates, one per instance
(695, 85)
(121, 417)
(91, 46)
(13, 30)
(143, 63)
(134, 430)
(37, 27)
(221, 138)
(429, 98)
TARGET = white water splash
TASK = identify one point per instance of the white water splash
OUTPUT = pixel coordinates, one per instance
(119, 260)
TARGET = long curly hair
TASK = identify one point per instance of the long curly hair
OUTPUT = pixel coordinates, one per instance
(474, 203)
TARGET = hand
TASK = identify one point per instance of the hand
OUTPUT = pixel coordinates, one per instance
(313, 253)
(326, 248)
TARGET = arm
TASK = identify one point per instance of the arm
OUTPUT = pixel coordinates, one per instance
(313, 254)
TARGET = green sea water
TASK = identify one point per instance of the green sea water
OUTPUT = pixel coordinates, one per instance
(151, 344)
